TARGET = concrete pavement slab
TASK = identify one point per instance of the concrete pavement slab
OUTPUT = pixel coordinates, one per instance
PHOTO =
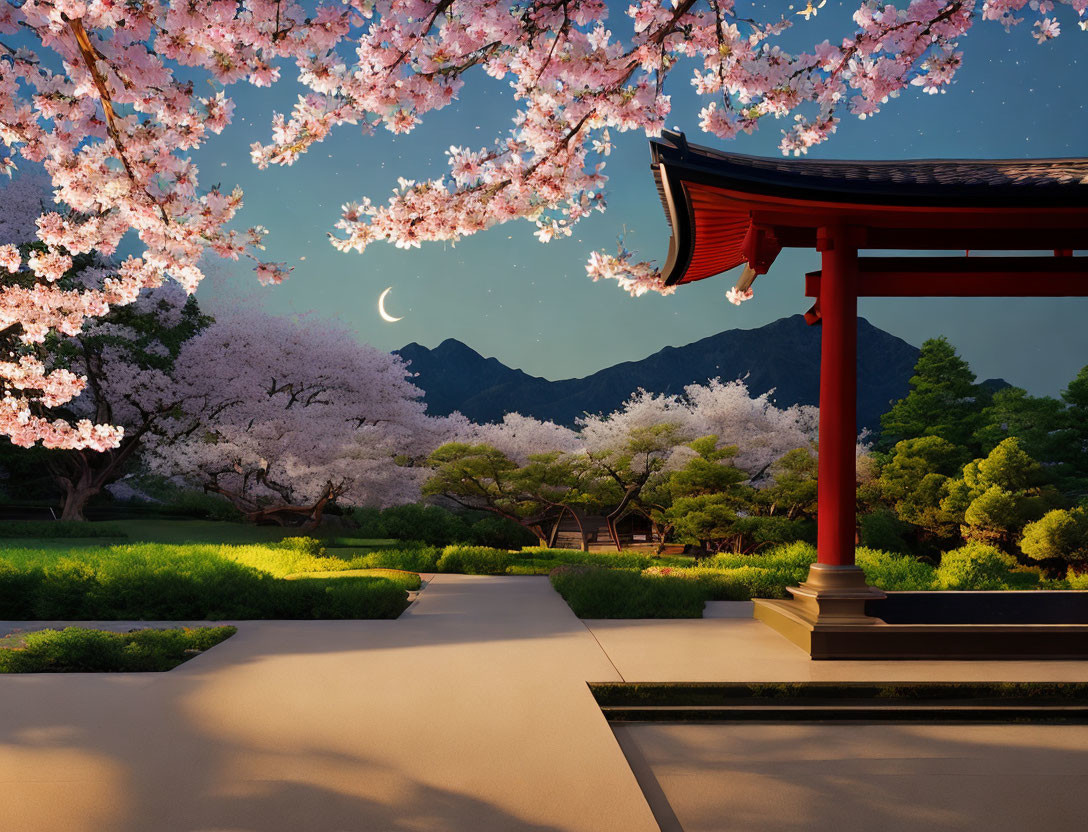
(815, 777)
(735, 648)
(470, 712)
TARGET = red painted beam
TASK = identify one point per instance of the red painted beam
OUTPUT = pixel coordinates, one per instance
(1019, 277)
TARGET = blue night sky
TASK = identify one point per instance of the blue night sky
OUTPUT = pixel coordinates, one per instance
(532, 306)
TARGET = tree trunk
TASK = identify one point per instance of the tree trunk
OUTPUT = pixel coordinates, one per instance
(83, 474)
(76, 498)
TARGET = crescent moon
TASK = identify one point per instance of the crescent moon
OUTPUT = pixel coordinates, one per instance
(381, 307)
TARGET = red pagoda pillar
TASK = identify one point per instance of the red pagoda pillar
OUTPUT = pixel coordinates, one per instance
(836, 591)
(838, 398)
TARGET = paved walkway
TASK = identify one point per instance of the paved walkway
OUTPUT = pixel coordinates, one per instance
(470, 712)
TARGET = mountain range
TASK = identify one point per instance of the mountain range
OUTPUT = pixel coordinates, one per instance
(783, 356)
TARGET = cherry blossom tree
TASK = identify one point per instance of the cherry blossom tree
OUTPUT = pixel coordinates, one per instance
(112, 100)
(518, 437)
(282, 417)
(127, 358)
(124, 358)
(761, 431)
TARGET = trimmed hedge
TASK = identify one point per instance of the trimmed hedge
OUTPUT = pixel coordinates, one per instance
(79, 650)
(738, 584)
(438, 526)
(416, 559)
(593, 592)
(892, 571)
(158, 581)
(575, 557)
(474, 560)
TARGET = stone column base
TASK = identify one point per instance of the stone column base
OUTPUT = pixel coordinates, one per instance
(831, 601)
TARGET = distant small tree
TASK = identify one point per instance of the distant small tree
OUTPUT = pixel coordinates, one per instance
(943, 401)
(1075, 433)
(626, 468)
(914, 481)
(1059, 534)
(484, 478)
(791, 492)
(709, 496)
(997, 495)
(1035, 421)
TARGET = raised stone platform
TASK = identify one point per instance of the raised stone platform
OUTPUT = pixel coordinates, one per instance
(938, 625)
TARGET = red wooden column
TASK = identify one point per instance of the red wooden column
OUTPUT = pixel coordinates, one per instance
(836, 521)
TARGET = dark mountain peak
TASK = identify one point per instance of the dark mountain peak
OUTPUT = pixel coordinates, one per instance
(452, 345)
(783, 356)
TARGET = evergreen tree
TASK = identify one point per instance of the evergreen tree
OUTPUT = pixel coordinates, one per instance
(1074, 435)
(914, 482)
(1035, 421)
(999, 494)
(943, 401)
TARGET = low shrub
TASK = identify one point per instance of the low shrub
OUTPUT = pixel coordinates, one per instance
(58, 528)
(412, 559)
(894, 572)
(405, 580)
(431, 524)
(188, 503)
(526, 569)
(740, 583)
(790, 557)
(79, 650)
(474, 560)
(498, 533)
(437, 526)
(593, 592)
(883, 530)
(1060, 535)
(1077, 580)
(304, 545)
(611, 560)
(979, 566)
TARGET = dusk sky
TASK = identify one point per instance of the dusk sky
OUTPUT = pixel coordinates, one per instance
(532, 306)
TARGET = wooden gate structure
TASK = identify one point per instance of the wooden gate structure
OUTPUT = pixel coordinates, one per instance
(728, 210)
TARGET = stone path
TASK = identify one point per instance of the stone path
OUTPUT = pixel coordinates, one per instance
(470, 712)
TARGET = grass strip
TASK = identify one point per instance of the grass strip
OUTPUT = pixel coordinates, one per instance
(82, 650)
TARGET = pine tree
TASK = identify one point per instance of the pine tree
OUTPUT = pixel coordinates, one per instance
(943, 401)
(1075, 434)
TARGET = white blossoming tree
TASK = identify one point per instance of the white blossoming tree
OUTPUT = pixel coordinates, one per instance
(282, 417)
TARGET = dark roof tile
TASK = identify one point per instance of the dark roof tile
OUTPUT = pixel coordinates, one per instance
(895, 181)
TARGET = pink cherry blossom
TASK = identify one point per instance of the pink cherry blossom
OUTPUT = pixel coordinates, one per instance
(112, 101)
(276, 412)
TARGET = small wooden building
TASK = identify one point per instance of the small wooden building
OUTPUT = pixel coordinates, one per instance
(576, 530)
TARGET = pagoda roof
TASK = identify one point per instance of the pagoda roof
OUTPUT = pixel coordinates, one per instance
(714, 199)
